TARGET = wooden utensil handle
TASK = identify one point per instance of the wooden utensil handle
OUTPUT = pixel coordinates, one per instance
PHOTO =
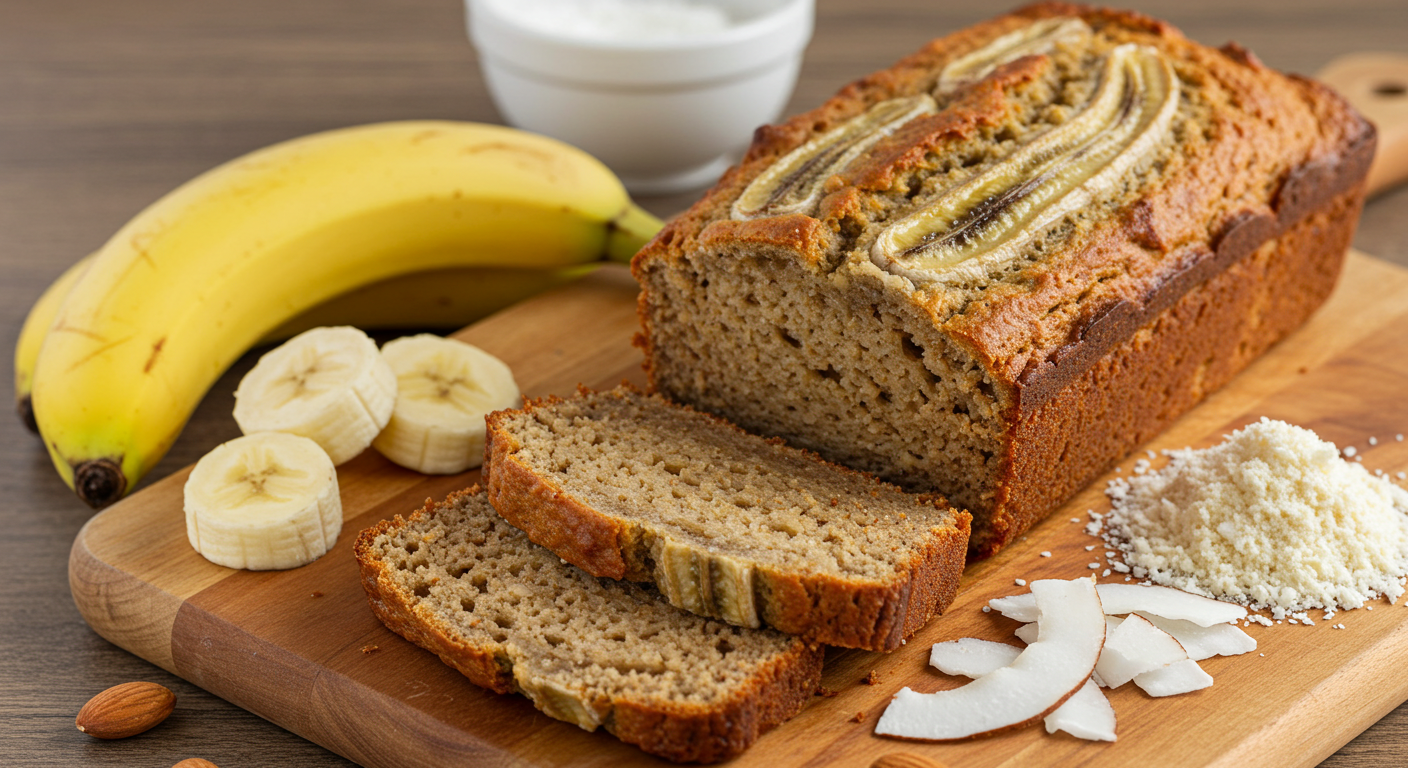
(1377, 85)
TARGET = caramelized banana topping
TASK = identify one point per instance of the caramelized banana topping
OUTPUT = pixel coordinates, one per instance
(1039, 37)
(793, 183)
(987, 220)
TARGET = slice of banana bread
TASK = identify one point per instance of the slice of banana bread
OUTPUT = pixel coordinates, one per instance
(726, 524)
(995, 268)
(457, 580)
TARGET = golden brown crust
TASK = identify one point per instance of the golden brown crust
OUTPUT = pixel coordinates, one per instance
(821, 608)
(793, 233)
(677, 731)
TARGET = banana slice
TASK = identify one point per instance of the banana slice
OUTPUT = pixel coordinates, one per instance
(262, 502)
(328, 384)
(445, 387)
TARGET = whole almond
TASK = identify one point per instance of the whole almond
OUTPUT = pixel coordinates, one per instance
(195, 762)
(125, 710)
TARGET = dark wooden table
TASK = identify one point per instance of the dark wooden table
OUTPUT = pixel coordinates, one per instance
(106, 106)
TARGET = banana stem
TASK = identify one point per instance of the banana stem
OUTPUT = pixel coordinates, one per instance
(629, 232)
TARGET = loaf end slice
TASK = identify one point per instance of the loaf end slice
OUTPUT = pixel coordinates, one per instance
(457, 580)
(725, 524)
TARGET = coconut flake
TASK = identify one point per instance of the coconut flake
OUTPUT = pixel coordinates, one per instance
(1205, 642)
(1135, 647)
(1045, 674)
(971, 657)
(1086, 715)
(1169, 603)
(1179, 677)
(1120, 599)
(1016, 607)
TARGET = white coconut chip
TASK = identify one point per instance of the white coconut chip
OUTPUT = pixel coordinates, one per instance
(1179, 677)
(971, 657)
(1136, 647)
(1043, 676)
(1169, 603)
(1016, 607)
(1086, 715)
(1119, 599)
(1027, 633)
(1205, 642)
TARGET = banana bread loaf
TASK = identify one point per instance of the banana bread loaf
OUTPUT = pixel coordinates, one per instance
(456, 579)
(995, 268)
(726, 524)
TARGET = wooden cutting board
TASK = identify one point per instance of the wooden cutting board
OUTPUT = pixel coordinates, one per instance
(302, 649)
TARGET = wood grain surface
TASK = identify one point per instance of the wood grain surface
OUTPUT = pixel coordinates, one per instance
(302, 649)
(105, 106)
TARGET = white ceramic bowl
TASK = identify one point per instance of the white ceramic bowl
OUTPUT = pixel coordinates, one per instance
(667, 115)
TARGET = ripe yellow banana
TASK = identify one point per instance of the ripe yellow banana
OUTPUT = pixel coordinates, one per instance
(443, 299)
(36, 326)
(201, 275)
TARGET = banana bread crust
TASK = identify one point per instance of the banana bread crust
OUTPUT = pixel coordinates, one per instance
(1277, 168)
(678, 731)
(875, 614)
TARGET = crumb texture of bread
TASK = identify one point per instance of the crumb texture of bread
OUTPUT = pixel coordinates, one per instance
(725, 524)
(916, 308)
(456, 579)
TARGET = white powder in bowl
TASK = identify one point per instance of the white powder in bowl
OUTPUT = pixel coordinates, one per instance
(618, 20)
(1270, 518)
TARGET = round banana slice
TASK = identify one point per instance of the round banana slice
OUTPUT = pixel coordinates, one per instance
(328, 384)
(444, 389)
(263, 501)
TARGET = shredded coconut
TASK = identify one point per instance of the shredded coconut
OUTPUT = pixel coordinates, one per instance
(1271, 518)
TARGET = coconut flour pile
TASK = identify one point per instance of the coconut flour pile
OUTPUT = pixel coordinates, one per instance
(1272, 518)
